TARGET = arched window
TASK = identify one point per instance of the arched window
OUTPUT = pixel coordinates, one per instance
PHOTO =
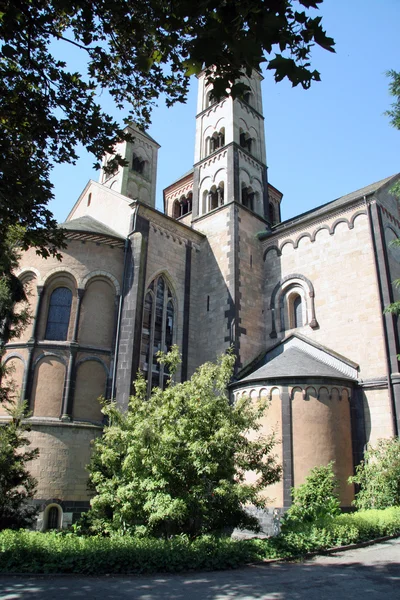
(176, 210)
(189, 201)
(248, 197)
(138, 164)
(245, 140)
(213, 198)
(248, 97)
(157, 331)
(53, 518)
(59, 314)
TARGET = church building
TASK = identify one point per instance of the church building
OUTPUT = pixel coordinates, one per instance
(301, 302)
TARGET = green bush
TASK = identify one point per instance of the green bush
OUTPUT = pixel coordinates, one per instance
(33, 552)
(176, 462)
(314, 500)
(378, 476)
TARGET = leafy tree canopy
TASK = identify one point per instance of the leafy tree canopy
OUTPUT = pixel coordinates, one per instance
(136, 51)
(394, 89)
(17, 485)
(378, 476)
(177, 461)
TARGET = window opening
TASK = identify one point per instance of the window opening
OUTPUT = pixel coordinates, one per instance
(157, 331)
(89, 199)
(297, 312)
(137, 164)
(271, 213)
(248, 198)
(245, 141)
(52, 518)
(59, 314)
(208, 303)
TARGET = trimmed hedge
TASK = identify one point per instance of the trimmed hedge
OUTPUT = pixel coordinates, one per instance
(34, 552)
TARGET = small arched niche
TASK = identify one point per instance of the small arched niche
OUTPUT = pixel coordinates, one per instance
(52, 518)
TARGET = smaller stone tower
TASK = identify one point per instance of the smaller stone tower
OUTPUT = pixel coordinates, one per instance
(138, 179)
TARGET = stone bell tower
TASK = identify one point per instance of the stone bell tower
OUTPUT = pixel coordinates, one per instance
(230, 157)
(137, 180)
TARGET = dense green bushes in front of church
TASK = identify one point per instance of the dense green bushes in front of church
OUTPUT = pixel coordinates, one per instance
(176, 462)
(33, 552)
(378, 475)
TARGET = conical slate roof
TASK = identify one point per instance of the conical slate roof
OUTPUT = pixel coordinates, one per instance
(295, 363)
(89, 225)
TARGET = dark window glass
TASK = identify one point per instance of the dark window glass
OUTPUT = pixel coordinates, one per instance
(58, 315)
(157, 332)
(146, 333)
(298, 312)
(52, 518)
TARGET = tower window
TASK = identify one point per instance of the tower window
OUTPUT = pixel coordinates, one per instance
(245, 141)
(89, 199)
(157, 331)
(215, 142)
(138, 165)
(248, 197)
(59, 314)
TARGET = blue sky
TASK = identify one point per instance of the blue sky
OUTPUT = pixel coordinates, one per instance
(321, 143)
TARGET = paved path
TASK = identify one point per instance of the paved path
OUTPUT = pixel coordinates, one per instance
(370, 573)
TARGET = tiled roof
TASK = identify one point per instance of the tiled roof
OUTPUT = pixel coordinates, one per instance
(89, 225)
(294, 363)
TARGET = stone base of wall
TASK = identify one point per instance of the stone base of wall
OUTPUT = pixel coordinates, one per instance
(71, 511)
(269, 519)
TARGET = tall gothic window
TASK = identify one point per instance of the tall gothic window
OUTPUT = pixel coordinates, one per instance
(157, 331)
(58, 315)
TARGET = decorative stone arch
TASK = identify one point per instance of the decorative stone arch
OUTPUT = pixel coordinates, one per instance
(306, 393)
(300, 237)
(337, 222)
(248, 174)
(335, 389)
(272, 390)
(93, 359)
(359, 213)
(14, 355)
(48, 513)
(46, 354)
(22, 273)
(316, 231)
(323, 387)
(285, 243)
(267, 250)
(59, 271)
(296, 388)
(99, 273)
(281, 289)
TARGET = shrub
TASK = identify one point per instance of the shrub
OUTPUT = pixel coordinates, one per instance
(17, 486)
(314, 500)
(176, 462)
(35, 552)
(378, 476)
